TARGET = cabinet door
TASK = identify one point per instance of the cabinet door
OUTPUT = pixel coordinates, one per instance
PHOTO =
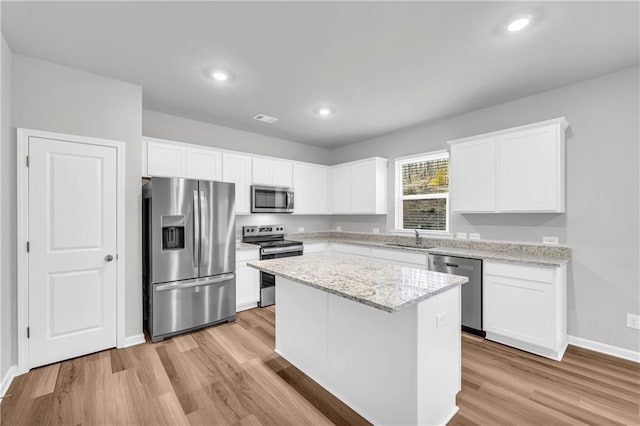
(519, 309)
(404, 257)
(282, 172)
(205, 164)
(237, 169)
(363, 187)
(247, 286)
(350, 249)
(166, 160)
(341, 190)
(262, 171)
(473, 176)
(310, 184)
(529, 170)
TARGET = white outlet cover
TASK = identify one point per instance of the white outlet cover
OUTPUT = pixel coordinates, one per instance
(550, 240)
(338, 228)
(474, 236)
(440, 319)
(461, 235)
(301, 229)
(376, 230)
(633, 321)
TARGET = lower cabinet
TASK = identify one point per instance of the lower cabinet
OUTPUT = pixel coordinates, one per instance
(400, 256)
(320, 247)
(350, 249)
(247, 280)
(526, 307)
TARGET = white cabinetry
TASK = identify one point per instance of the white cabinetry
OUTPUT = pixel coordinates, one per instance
(359, 187)
(317, 247)
(181, 160)
(473, 176)
(526, 307)
(514, 170)
(247, 280)
(350, 249)
(237, 169)
(268, 171)
(310, 185)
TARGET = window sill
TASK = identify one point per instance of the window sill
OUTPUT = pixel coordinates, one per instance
(429, 234)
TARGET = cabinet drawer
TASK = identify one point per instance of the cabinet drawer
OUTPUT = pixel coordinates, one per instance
(530, 273)
(350, 249)
(310, 248)
(244, 255)
(402, 256)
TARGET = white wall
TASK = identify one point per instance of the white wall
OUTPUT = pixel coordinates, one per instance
(8, 319)
(601, 224)
(59, 99)
(165, 126)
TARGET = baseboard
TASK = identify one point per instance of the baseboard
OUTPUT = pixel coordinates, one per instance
(604, 348)
(7, 379)
(133, 340)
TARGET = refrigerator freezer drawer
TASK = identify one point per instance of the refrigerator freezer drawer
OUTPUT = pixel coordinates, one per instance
(189, 304)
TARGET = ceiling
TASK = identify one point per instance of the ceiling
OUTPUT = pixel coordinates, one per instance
(382, 66)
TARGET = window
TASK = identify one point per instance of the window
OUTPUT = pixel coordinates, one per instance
(422, 192)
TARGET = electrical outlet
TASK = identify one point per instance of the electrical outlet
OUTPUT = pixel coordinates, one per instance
(550, 240)
(338, 228)
(474, 236)
(633, 321)
(440, 319)
(301, 229)
(376, 230)
(461, 235)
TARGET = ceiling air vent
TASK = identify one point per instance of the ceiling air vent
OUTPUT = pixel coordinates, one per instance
(265, 118)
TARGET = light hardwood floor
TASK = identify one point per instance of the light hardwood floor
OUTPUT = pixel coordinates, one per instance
(229, 374)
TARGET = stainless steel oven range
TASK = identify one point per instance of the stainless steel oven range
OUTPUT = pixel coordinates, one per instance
(272, 244)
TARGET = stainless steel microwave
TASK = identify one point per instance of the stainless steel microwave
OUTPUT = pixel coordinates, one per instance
(271, 199)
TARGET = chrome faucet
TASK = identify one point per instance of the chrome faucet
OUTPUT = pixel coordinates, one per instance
(417, 238)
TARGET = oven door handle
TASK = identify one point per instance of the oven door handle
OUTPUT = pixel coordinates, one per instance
(281, 249)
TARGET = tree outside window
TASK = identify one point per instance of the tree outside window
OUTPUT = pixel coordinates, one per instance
(422, 192)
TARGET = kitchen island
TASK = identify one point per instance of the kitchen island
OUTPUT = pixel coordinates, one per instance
(383, 338)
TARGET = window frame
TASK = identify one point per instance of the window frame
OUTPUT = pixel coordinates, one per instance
(399, 197)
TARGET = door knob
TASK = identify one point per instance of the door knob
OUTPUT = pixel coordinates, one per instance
(108, 258)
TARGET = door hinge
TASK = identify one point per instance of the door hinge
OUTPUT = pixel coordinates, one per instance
(27, 161)
(28, 247)
(28, 332)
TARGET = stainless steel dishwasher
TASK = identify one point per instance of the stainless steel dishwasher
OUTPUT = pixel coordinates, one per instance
(471, 291)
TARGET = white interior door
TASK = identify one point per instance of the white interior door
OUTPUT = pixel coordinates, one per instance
(72, 236)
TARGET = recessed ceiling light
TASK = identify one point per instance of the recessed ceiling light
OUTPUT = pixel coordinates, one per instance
(325, 111)
(519, 24)
(220, 75)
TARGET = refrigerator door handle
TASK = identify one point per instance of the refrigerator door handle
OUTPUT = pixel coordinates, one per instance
(204, 238)
(195, 283)
(196, 229)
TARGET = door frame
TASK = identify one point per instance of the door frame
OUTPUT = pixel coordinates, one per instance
(23, 136)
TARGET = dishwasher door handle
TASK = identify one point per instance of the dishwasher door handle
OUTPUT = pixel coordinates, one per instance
(451, 265)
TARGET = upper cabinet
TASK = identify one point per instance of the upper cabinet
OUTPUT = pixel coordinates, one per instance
(511, 171)
(359, 187)
(310, 185)
(164, 158)
(237, 169)
(269, 171)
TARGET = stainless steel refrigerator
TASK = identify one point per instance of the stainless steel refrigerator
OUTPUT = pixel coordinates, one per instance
(188, 255)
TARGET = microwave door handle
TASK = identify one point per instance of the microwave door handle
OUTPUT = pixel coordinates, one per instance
(289, 200)
(196, 229)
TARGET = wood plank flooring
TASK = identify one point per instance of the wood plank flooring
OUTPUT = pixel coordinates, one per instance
(229, 375)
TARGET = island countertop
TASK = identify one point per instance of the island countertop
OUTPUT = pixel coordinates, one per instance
(385, 286)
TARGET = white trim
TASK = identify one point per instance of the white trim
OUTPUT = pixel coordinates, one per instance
(136, 339)
(561, 120)
(604, 348)
(11, 373)
(23, 136)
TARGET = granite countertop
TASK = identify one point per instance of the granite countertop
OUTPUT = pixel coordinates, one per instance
(385, 286)
(527, 254)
